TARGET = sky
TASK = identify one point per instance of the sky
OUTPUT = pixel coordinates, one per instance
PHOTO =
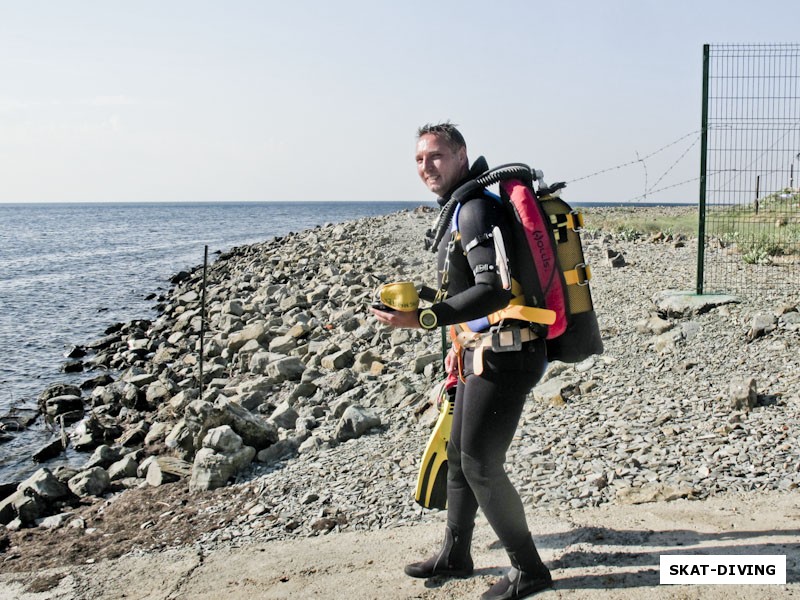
(154, 101)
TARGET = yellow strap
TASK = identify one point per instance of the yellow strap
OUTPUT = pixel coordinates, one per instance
(575, 220)
(524, 313)
(580, 275)
(514, 310)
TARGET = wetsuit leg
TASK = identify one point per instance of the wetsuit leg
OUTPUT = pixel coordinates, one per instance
(486, 415)
(461, 502)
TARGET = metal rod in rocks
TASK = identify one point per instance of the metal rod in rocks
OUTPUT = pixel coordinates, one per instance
(203, 316)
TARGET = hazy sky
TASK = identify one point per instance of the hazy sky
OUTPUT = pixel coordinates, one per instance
(292, 100)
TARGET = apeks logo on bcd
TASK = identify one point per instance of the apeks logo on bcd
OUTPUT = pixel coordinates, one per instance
(541, 247)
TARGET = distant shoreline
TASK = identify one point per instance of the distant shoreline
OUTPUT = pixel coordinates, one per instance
(411, 203)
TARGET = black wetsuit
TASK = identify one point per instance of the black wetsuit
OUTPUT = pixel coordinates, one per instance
(487, 407)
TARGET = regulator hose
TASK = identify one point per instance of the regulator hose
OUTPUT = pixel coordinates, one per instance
(463, 193)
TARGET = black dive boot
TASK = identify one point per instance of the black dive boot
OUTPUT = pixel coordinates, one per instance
(527, 576)
(453, 560)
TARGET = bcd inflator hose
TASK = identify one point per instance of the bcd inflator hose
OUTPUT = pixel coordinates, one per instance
(490, 177)
(504, 172)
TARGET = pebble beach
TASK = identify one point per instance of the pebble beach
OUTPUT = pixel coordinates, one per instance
(690, 400)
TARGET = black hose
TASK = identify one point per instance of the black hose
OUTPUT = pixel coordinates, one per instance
(443, 223)
(504, 172)
(490, 177)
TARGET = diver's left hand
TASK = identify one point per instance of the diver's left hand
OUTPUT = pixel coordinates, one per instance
(397, 318)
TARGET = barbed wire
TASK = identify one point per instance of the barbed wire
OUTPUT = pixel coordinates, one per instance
(652, 189)
(638, 160)
(672, 166)
(709, 175)
(669, 187)
(644, 166)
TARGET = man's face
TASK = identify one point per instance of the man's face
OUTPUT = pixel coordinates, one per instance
(438, 165)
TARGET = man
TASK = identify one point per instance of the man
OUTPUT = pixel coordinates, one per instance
(492, 389)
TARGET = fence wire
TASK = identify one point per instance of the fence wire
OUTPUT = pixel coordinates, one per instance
(750, 175)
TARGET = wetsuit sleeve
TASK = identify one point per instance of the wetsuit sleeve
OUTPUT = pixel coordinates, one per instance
(482, 291)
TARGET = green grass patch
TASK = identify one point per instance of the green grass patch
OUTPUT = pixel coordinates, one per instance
(758, 237)
(642, 221)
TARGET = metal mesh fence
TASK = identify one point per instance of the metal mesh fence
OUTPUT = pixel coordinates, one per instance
(750, 170)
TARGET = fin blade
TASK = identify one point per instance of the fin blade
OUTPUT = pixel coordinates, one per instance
(431, 489)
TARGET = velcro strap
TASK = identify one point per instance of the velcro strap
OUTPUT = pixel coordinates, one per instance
(483, 268)
(580, 275)
(482, 238)
(573, 220)
(545, 316)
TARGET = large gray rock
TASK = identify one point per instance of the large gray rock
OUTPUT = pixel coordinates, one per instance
(259, 361)
(181, 438)
(222, 439)
(44, 485)
(157, 393)
(743, 394)
(286, 369)
(201, 416)
(59, 405)
(58, 389)
(103, 456)
(157, 433)
(222, 456)
(234, 307)
(280, 449)
(284, 416)
(676, 303)
(91, 482)
(355, 422)
(615, 259)
(338, 382)
(761, 325)
(420, 362)
(254, 331)
(50, 450)
(338, 360)
(254, 430)
(364, 361)
(141, 380)
(119, 392)
(124, 467)
(20, 506)
(283, 344)
(166, 469)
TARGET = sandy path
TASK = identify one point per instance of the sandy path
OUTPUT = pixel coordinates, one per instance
(607, 552)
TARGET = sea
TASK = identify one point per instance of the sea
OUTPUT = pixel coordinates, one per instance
(69, 271)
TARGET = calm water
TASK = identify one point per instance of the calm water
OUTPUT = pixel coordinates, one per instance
(68, 271)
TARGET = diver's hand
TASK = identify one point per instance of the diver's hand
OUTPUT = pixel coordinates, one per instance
(451, 362)
(397, 318)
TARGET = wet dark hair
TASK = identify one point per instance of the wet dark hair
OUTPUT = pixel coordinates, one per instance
(446, 131)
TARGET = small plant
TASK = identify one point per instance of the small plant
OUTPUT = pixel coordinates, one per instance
(761, 250)
(627, 234)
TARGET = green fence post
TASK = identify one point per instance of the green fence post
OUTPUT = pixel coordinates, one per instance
(701, 229)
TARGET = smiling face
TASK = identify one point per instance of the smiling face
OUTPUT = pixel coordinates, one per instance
(440, 166)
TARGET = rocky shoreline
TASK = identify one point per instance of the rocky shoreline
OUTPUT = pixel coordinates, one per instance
(313, 418)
